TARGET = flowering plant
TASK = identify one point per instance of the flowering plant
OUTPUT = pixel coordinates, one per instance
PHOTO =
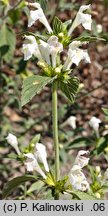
(47, 50)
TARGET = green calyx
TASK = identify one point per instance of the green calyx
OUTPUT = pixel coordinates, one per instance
(57, 187)
(49, 71)
(50, 180)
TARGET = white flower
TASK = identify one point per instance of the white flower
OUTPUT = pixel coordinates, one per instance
(55, 47)
(81, 160)
(32, 160)
(30, 47)
(42, 155)
(94, 123)
(51, 47)
(45, 52)
(12, 140)
(76, 176)
(32, 164)
(71, 121)
(98, 169)
(82, 18)
(78, 179)
(38, 15)
(75, 55)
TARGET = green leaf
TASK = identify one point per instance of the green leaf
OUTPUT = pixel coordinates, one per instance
(82, 195)
(14, 15)
(11, 185)
(105, 110)
(43, 3)
(70, 88)
(103, 144)
(80, 142)
(105, 36)
(3, 50)
(33, 142)
(33, 85)
(35, 187)
(7, 39)
(89, 38)
(58, 26)
(35, 139)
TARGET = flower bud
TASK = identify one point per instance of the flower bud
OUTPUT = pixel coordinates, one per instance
(12, 140)
(98, 195)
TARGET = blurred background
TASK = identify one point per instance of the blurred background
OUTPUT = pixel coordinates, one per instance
(35, 117)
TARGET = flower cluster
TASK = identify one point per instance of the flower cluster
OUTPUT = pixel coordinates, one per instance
(48, 50)
(31, 159)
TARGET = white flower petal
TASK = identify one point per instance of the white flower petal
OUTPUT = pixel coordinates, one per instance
(81, 160)
(75, 44)
(42, 155)
(75, 55)
(30, 48)
(82, 18)
(12, 140)
(32, 164)
(78, 179)
(45, 52)
(38, 15)
(86, 21)
(55, 47)
(71, 121)
(94, 123)
(78, 55)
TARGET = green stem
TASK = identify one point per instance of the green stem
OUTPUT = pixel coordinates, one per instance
(55, 132)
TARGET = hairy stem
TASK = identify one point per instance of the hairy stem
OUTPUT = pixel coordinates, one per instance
(55, 132)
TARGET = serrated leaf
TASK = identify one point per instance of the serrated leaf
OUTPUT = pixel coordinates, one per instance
(7, 39)
(33, 85)
(11, 185)
(70, 88)
(43, 3)
(57, 26)
(82, 195)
